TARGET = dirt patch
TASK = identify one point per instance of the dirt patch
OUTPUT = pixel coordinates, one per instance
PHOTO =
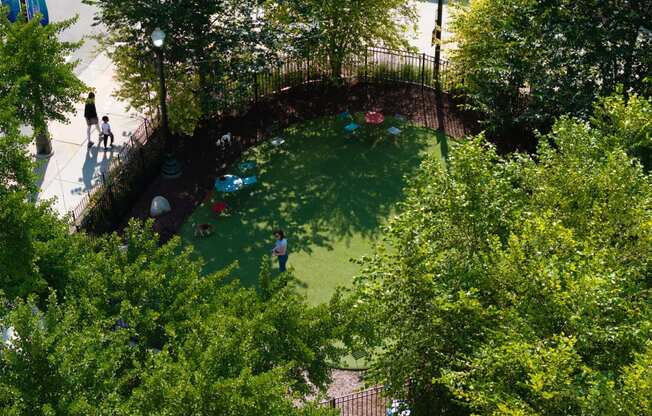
(203, 160)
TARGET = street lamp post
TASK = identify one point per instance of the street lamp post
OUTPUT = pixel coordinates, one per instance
(171, 168)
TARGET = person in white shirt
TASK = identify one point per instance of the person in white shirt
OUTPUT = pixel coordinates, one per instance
(280, 249)
(106, 131)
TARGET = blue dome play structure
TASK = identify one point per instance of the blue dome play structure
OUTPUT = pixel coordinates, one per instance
(31, 9)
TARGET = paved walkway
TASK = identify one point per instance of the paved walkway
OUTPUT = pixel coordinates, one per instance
(73, 169)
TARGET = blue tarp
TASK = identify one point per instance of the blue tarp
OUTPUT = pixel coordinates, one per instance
(38, 6)
(14, 9)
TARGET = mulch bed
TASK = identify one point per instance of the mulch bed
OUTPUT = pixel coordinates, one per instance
(203, 161)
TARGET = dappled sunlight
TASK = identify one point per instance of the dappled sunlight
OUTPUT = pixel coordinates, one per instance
(329, 190)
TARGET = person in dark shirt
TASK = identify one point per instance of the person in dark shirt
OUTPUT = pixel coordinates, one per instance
(90, 114)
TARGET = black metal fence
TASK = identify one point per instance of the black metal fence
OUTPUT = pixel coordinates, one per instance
(372, 65)
(368, 402)
(138, 161)
(127, 174)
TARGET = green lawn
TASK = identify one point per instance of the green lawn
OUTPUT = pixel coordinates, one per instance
(329, 190)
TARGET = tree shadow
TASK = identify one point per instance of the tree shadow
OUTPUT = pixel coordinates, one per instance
(323, 187)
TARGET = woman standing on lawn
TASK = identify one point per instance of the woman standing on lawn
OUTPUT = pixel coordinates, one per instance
(280, 249)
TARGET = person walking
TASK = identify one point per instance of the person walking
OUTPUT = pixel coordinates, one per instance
(106, 131)
(90, 114)
(280, 249)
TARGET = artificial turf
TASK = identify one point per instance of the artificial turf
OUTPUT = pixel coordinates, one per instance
(330, 191)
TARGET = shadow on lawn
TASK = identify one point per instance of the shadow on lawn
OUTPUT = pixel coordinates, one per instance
(323, 187)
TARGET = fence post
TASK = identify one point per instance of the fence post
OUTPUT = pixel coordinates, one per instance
(255, 88)
(423, 70)
(366, 53)
(111, 199)
(331, 403)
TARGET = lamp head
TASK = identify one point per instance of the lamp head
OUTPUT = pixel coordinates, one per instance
(158, 37)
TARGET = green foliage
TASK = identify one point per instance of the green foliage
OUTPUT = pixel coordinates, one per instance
(101, 327)
(35, 73)
(208, 46)
(137, 330)
(628, 122)
(510, 285)
(637, 384)
(529, 61)
(15, 165)
(139, 85)
(333, 30)
(31, 251)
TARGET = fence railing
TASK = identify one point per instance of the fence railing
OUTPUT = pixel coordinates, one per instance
(368, 402)
(104, 193)
(373, 65)
(136, 165)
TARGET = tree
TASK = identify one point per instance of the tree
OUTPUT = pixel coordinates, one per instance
(35, 72)
(514, 285)
(210, 48)
(333, 30)
(628, 122)
(527, 62)
(31, 237)
(140, 331)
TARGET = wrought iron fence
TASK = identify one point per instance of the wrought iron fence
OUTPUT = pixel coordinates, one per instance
(372, 65)
(136, 165)
(370, 402)
(125, 173)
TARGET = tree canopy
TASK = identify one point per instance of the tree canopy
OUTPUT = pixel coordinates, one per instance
(529, 61)
(209, 47)
(123, 325)
(516, 284)
(139, 330)
(333, 30)
(36, 75)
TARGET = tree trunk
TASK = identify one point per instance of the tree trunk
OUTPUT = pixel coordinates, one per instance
(336, 63)
(43, 143)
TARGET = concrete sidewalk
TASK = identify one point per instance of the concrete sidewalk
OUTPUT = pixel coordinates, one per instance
(74, 169)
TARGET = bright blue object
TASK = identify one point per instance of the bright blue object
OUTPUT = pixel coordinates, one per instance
(249, 180)
(344, 116)
(228, 183)
(394, 131)
(351, 127)
(14, 9)
(35, 7)
(247, 165)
